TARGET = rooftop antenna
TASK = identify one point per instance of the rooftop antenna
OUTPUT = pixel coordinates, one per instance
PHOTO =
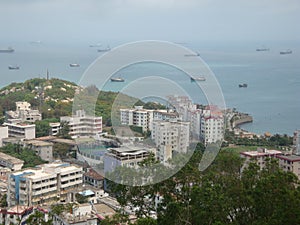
(47, 74)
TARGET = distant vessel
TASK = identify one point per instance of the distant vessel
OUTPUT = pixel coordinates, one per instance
(243, 85)
(262, 49)
(13, 67)
(104, 49)
(74, 65)
(286, 52)
(95, 45)
(198, 79)
(117, 79)
(188, 55)
(8, 50)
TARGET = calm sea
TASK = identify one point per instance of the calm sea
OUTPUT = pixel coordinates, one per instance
(272, 96)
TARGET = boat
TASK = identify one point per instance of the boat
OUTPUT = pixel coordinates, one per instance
(13, 67)
(198, 79)
(262, 49)
(286, 52)
(95, 45)
(189, 55)
(8, 50)
(74, 65)
(117, 79)
(104, 49)
(243, 85)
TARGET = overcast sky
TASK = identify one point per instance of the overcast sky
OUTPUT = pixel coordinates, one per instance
(131, 20)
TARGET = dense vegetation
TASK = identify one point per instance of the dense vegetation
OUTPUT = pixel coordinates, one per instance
(275, 141)
(219, 195)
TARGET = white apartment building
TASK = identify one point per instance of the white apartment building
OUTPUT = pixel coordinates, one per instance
(44, 184)
(21, 130)
(3, 134)
(259, 156)
(144, 117)
(290, 163)
(195, 123)
(170, 137)
(24, 113)
(82, 125)
(212, 125)
(296, 142)
(183, 105)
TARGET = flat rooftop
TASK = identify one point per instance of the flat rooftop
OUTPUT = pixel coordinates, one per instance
(291, 158)
(11, 159)
(261, 153)
(38, 143)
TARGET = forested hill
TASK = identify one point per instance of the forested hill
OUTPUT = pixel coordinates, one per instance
(54, 97)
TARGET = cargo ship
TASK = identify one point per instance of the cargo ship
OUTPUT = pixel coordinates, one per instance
(8, 50)
(117, 79)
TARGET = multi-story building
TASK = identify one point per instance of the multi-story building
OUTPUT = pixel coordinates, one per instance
(195, 123)
(10, 162)
(290, 163)
(82, 125)
(3, 134)
(46, 183)
(43, 149)
(259, 156)
(144, 117)
(212, 125)
(128, 156)
(24, 113)
(21, 130)
(182, 105)
(296, 142)
(170, 137)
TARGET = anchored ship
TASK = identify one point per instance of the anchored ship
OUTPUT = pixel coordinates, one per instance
(286, 52)
(117, 79)
(198, 79)
(13, 67)
(8, 50)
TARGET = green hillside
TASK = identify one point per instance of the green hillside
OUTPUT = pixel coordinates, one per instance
(54, 98)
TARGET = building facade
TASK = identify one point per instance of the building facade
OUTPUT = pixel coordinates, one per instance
(212, 125)
(144, 118)
(259, 157)
(290, 163)
(43, 149)
(128, 156)
(10, 162)
(21, 130)
(82, 125)
(170, 137)
(24, 113)
(296, 142)
(3, 134)
(46, 183)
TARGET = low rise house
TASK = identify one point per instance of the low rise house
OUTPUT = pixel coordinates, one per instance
(42, 148)
(11, 162)
(93, 178)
